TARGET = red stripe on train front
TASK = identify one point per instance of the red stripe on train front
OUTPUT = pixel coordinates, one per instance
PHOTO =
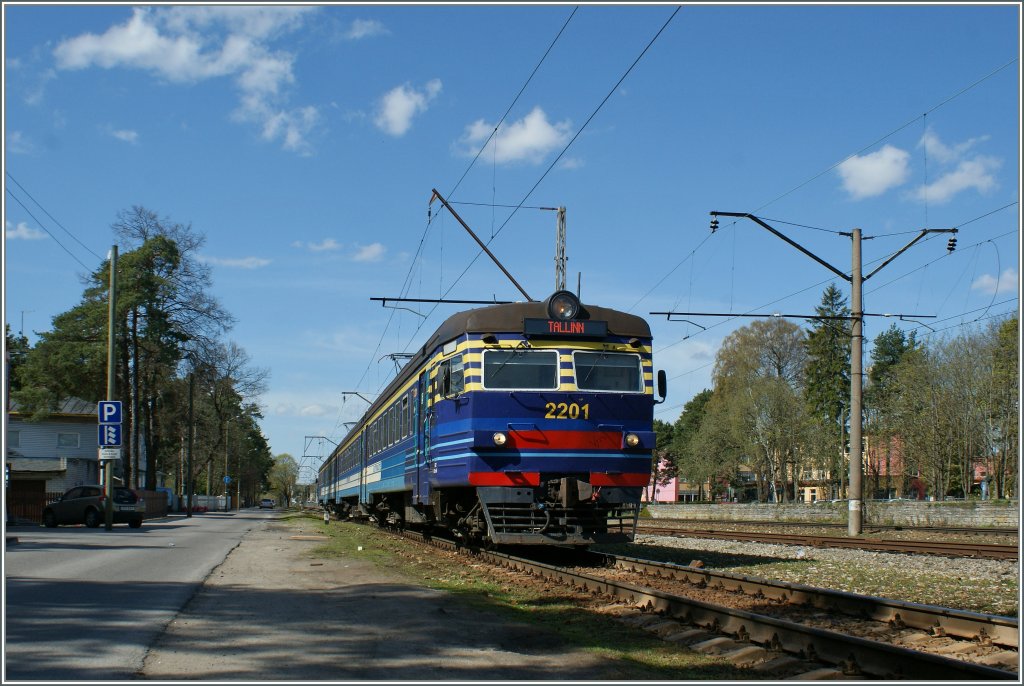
(599, 479)
(505, 479)
(579, 440)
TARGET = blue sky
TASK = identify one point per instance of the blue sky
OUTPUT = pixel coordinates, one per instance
(304, 143)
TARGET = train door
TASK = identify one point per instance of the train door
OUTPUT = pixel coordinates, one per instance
(363, 499)
(422, 412)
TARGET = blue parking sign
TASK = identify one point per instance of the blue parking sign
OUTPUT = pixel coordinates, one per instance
(109, 411)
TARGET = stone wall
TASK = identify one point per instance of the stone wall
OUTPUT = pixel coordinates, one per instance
(900, 513)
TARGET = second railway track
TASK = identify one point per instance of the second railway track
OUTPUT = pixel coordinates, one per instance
(948, 548)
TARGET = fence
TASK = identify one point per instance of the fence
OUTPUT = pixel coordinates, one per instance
(29, 505)
(902, 513)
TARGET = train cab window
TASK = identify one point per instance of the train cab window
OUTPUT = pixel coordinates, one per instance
(521, 369)
(604, 371)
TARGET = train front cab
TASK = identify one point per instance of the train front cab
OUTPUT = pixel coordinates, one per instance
(551, 427)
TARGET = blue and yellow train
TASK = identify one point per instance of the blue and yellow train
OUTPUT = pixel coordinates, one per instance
(524, 423)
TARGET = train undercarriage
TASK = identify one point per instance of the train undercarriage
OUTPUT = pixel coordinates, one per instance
(563, 510)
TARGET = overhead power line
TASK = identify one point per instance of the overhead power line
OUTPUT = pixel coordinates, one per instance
(73, 236)
(43, 227)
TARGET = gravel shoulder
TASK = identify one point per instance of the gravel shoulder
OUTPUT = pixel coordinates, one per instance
(273, 612)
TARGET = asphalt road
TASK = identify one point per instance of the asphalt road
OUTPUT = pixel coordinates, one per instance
(86, 604)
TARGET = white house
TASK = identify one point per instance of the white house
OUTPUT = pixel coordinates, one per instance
(46, 458)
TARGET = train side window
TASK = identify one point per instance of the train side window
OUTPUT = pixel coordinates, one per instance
(452, 376)
(458, 375)
(406, 425)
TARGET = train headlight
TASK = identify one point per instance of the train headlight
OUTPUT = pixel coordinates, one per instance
(632, 440)
(563, 306)
(500, 438)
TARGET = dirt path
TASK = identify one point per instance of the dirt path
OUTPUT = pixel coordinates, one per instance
(271, 611)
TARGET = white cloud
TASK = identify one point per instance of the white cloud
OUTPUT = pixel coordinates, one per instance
(396, 109)
(18, 143)
(874, 173)
(529, 139)
(302, 409)
(366, 28)
(1006, 283)
(238, 262)
(190, 44)
(370, 253)
(125, 135)
(326, 245)
(975, 173)
(315, 410)
(22, 231)
(940, 152)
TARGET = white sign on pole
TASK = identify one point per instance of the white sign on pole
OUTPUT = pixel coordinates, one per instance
(107, 454)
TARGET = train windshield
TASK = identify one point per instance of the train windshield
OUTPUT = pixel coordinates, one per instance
(608, 372)
(521, 369)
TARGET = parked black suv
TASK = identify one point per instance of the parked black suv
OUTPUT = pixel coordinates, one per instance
(84, 505)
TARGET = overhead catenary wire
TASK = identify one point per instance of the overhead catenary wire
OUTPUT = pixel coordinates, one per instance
(821, 283)
(876, 142)
(501, 120)
(407, 283)
(556, 160)
(872, 262)
(665, 409)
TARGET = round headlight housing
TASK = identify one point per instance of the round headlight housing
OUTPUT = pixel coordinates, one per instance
(563, 306)
(500, 438)
(632, 440)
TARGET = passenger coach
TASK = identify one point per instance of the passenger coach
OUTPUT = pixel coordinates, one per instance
(524, 423)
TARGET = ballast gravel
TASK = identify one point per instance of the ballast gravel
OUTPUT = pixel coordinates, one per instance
(989, 586)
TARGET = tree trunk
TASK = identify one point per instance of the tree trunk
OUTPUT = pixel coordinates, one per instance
(135, 398)
(128, 426)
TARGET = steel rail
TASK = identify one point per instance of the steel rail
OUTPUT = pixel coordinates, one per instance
(980, 550)
(939, 621)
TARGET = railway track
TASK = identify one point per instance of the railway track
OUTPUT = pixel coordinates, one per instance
(933, 619)
(991, 551)
(775, 644)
